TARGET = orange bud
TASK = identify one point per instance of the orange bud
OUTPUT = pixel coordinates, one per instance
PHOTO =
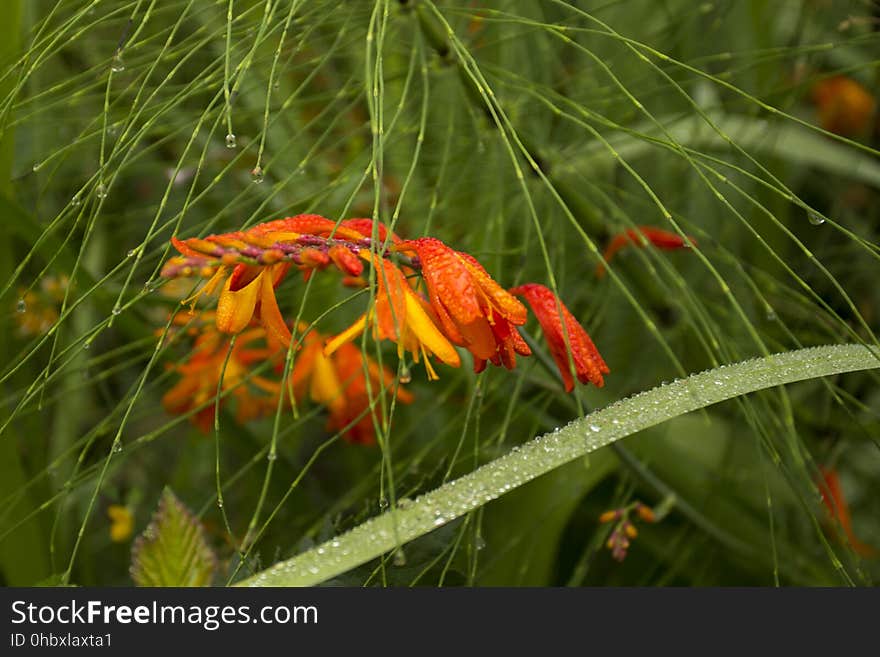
(608, 516)
(646, 513)
(346, 260)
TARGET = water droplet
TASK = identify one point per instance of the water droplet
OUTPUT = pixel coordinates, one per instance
(116, 310)
(117, 65)
(117, 447)
(131, 253)
(480, 543)
(87, 344)
(257, 175)
(101, 190)
(231, 141)
(815, 219)
(76, 200)
(405, 375)
(399, 558)
(595, 428)
(36, 167)
(771, 314)
(21, 306)
(272, 455)
(220, 503)
(383, 503)
(404, 503)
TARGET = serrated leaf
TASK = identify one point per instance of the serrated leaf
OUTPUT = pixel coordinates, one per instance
(172, 551)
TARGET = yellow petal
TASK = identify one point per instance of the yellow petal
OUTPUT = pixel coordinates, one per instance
(235, 309)
(325, 388)
(347, 335)
(427, 333)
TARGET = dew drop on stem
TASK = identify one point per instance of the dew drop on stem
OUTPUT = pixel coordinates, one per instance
(231, 141)
(117, 65)
(21, 306)
(257, 175)
(815, 219)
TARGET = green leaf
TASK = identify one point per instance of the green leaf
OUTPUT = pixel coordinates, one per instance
(546, 453)
(172, 551)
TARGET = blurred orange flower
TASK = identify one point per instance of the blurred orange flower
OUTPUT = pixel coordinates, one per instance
(844, 106)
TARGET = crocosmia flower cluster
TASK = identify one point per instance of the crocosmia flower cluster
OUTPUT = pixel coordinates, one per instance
(428, 298)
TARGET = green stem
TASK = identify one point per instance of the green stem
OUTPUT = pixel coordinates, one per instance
(548, 452)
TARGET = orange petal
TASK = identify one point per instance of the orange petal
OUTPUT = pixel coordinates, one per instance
(277, 332)
(236, 309)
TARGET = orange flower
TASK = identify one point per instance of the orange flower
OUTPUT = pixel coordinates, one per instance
(339, 382)
(473, 310)
(845, 107)
(254, 395)
(838, 509)
(401, 315)
(662, 239)
(588, 364)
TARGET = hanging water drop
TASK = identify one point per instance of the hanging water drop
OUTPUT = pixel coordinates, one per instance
(87, 344)
(76, 200)
(383, 503)
(405, 375)
(220, 503)
(116, 310)
(36, 167)
(131, 253)
(815, 219)
(399, 558)
(117, 447)
(231, 141)
(21, 306)
(117, 65)
(101, 190)
(257, 175)
(272, 455)
(771, 314)
(480, 543)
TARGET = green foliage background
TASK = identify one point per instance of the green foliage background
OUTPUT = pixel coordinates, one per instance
(526, 133)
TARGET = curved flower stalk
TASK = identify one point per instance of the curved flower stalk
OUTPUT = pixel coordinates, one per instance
(429, 299)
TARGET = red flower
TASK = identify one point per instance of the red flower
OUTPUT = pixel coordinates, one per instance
(838, 509)
(473, 310)
(588, 364)
(662, 239)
